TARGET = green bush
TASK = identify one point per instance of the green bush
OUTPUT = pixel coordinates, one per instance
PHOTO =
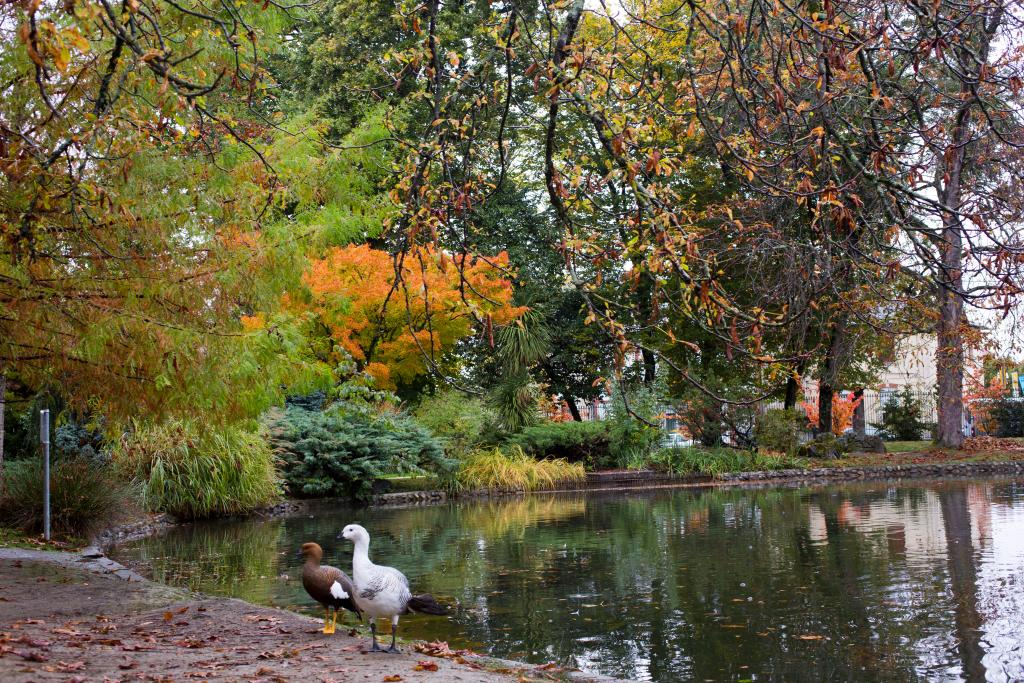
(190, 471)
(631, 441)
(461, 422)
(73, 439)
(901, 418)
(583, 442)
(716, 461)
(514, 470)
(330, 454)
(84, 496)
(826, 446)
(1008, 414)
(779, 430)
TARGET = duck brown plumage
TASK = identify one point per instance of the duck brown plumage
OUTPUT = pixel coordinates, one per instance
(319, 579)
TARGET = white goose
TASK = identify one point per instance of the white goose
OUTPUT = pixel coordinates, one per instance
(382, 591)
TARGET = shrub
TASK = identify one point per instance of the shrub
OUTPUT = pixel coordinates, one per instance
(824, 446)
(514, 470)
(631, 441)
(901, 417)
(84, 496)
(74, 439)
(1008, 415)
(716, 461)
(583, 442)
(461, 422)
(779, 430)
(330, 454)
(191, 472)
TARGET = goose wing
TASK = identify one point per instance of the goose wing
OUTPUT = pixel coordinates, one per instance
(330, 587)
(385, 580)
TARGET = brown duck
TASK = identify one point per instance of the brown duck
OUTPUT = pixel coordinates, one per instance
(329, 586)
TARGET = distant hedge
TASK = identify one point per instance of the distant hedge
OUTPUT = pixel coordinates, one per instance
(1008, 414)
(583, 442)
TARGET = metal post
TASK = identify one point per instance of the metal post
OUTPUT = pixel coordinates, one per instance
(44, 438)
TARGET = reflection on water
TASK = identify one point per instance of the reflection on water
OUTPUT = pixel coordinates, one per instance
(862, 582)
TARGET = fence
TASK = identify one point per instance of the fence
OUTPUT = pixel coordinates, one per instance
(874, 404)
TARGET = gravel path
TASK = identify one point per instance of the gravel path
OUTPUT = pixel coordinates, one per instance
(67, 617)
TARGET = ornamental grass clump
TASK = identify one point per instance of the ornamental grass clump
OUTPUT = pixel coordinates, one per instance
(84, 496)
(192, 471)
(514, 470)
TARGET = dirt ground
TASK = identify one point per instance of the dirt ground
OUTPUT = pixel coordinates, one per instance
(66, 618)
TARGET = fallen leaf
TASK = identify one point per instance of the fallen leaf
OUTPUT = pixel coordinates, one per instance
(425, 665)
(31, 655)
(168, 616)
(394, 677)
(135, 647)
(810, 636)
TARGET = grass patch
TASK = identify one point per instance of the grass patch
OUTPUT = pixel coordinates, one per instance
(16, 538)
(908, 446)
(933, 456)
(717, 461)
(398, 483)
(514, 470)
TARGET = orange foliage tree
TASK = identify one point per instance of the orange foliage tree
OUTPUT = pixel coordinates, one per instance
(842, 412)
(979, 398)
(395, 333)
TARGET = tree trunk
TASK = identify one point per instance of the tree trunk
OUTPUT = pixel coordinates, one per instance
(858, 413)
(650, 366)
(949, 370)
(573, 409)
(793, 386)
(949, 354)
(827, 385)
(825, 393)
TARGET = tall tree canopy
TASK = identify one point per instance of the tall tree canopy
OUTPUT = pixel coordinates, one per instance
(128, 251)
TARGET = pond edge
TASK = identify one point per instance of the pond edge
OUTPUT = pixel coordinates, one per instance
(619, 480)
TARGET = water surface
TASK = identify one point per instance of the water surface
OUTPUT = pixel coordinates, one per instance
(867, 582)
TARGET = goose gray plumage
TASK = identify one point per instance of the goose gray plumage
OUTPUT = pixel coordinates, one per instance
(383, 591)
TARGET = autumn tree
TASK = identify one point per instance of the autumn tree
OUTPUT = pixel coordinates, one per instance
(130, 247)
(397, 333)
(914, 108)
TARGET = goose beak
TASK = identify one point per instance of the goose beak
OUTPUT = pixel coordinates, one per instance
(340, 537)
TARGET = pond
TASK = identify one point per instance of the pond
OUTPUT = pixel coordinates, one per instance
(867, 582)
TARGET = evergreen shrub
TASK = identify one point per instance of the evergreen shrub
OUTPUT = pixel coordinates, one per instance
(330, 454)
